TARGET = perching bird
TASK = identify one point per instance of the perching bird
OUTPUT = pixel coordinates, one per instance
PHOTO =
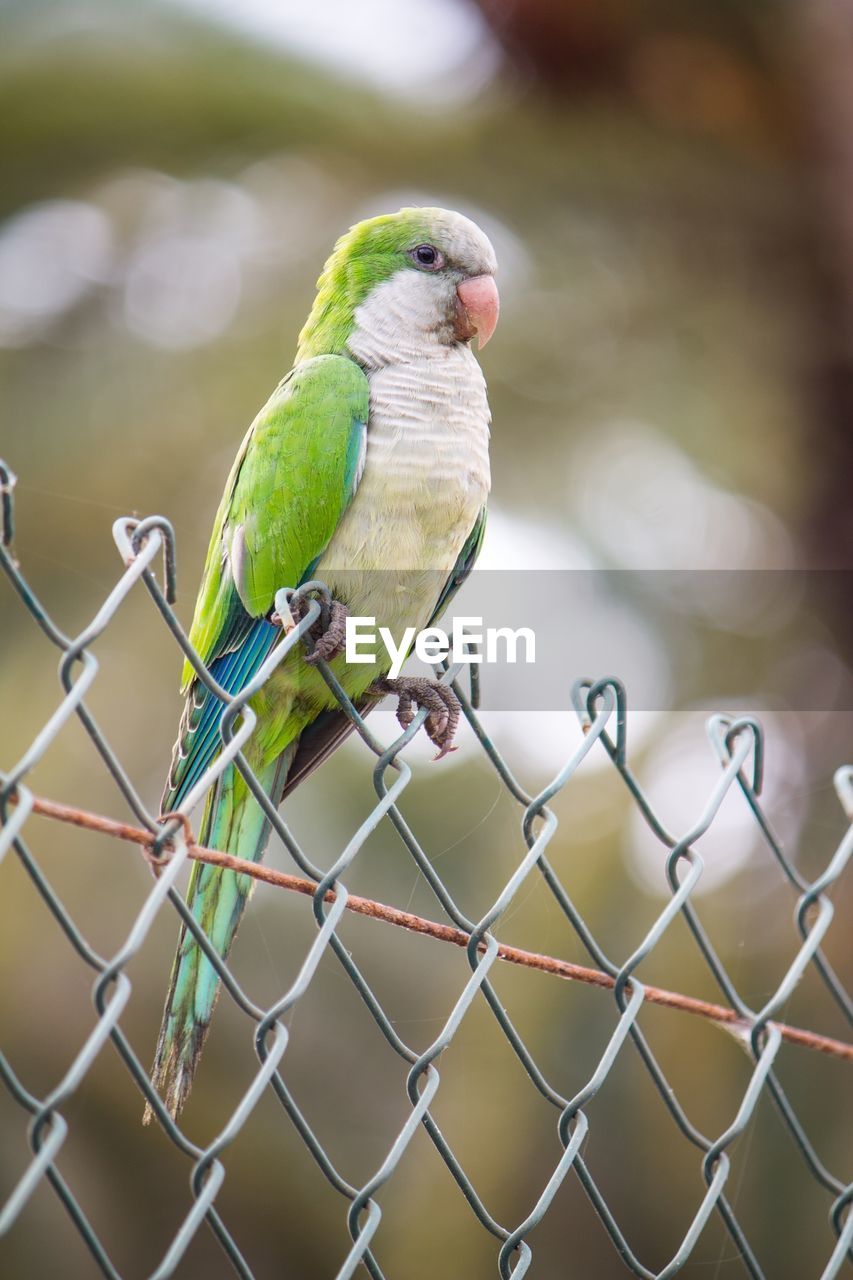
(368, 469)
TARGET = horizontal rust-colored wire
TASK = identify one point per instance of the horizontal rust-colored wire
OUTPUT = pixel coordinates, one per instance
(432, 929)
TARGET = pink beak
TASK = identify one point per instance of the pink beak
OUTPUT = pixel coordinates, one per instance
(477, 309)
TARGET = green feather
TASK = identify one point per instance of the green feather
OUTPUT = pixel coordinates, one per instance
(232, 820)
(290, 484)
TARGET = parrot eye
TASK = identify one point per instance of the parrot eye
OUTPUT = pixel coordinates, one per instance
(428, 257)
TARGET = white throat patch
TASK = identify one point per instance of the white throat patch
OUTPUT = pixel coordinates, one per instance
(403, 319)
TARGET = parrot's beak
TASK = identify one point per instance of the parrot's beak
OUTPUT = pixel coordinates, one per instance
(477, 309)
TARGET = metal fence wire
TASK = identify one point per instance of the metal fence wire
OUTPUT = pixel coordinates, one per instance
(601, 708)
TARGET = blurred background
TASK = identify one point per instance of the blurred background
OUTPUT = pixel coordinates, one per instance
(669, 187)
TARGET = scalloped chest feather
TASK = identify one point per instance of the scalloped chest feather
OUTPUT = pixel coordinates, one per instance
(426, 479)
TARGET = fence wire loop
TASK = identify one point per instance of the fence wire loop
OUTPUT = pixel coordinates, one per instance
(8, 480)
(162, 847)
(586, 694)
(132, 535)
(167, 842)
(724, 732)
(843, 782)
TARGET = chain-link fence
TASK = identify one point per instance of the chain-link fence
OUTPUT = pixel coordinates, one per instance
(167, 845)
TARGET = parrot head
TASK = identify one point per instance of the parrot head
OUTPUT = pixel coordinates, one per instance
(404, 283)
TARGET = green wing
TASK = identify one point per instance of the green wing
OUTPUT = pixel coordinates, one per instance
(291, 482)
(463, 566)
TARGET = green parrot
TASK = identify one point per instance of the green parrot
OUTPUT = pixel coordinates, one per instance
(368, 468)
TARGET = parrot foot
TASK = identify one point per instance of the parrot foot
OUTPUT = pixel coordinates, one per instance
(443, 705)
(329, 640)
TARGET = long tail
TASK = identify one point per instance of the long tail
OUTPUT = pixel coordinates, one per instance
(234, 823)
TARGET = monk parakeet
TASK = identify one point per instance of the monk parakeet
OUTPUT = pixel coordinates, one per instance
(368, 468)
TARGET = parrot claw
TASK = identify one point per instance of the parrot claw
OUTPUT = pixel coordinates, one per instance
(442, 703)
(330, 640)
